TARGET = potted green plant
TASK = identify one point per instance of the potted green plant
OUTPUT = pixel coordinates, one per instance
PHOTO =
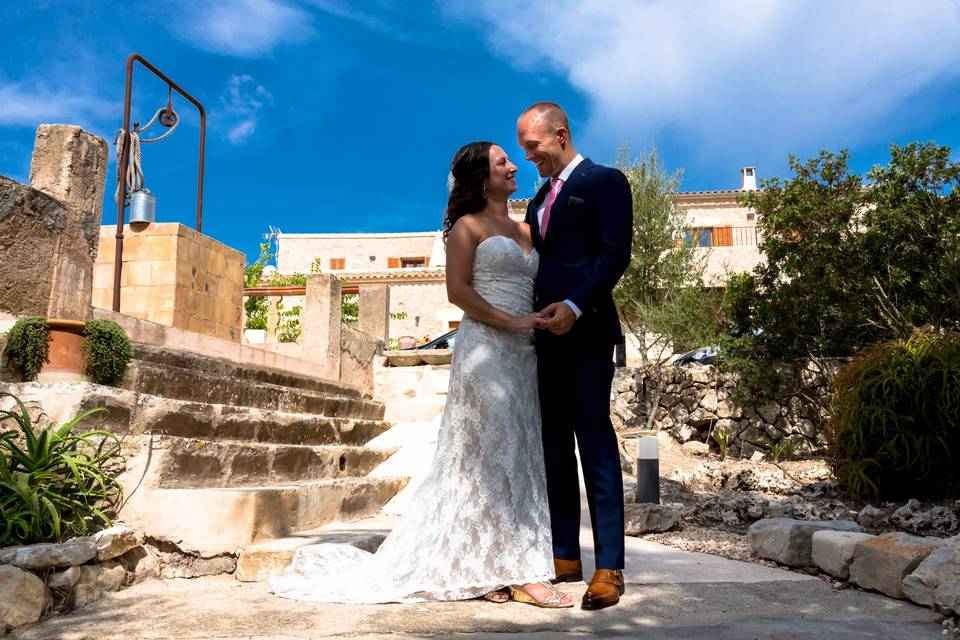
(51, 350)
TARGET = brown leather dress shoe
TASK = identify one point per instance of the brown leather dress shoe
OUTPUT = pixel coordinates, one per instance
(605, 589)
(567, 571)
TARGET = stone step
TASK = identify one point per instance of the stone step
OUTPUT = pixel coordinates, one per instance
(169, 381)
(261, 561)
(414, 411)
(214, 521)
(164, 416)
(188, 463)
(200, 363)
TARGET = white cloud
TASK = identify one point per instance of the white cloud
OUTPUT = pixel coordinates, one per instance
(243, 100)
(246, 28)
(782, 71)
(26, 105)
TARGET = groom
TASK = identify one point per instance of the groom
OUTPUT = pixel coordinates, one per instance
(581, 222)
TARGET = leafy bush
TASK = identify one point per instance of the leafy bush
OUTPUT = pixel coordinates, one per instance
(28, 343)
(106, 351)
(57, 485)
(895, 425)
(256, 311)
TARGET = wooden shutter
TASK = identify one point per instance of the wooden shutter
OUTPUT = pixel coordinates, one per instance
(338, 264)
(426, 262)
(723, 236)
(393, 263)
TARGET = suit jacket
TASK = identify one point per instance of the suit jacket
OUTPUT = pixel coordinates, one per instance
(585, 251)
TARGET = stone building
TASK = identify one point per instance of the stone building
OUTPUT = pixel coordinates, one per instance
(412, 265)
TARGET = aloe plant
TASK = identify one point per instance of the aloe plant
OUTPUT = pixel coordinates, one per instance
(54, 483)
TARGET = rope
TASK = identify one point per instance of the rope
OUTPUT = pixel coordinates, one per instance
(134, 160)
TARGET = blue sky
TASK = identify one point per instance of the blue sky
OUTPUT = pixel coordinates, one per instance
(330, 116)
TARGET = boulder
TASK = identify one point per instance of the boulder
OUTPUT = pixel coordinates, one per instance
(181, 565)
(141, 563)
(790, 541)
(97, 579)
(709, 400)
(872, 518)
(116, 541)
(769, 411)
(832, 551)
(728, 408)
(22, 597)
(936, 581)
(64, 580)
(651, 518)
(37, 557)
(697, 448)
(883, 562)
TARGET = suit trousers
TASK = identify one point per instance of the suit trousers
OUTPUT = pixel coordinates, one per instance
(575, 381)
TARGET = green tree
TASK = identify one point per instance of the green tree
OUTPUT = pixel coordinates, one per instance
(661, 296)
(848, 261)
(255, 307)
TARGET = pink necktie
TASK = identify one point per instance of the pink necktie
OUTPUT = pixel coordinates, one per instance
(555, 185)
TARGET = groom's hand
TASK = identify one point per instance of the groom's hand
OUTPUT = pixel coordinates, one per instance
(557, 318)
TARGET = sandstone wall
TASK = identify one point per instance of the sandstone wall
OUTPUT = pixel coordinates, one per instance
(173, 276)
(697, 400)
(48, 230)
(296, 252)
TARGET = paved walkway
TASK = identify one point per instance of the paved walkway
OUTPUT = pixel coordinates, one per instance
(671, 595)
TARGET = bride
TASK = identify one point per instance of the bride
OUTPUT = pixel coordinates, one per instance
(479, 524)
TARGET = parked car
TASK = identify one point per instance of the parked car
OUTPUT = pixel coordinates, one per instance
(702, 355)
(446, 341)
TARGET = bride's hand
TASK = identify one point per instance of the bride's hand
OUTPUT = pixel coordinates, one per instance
(525, 322)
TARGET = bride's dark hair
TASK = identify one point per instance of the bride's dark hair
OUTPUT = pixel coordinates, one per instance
(470, 167)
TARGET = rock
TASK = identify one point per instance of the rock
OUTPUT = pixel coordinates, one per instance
(730, 517)
(709, 400)
(651, 518)
(728, 408)
(97, 579)
(37, 557)
(116, 541)
(690, 399)
(64, 580)
(872, 518)
(626, 384)
(832, 551)
(683, 431)
(629, 397)
(702, 374)
(806, 428)
(701, 417)
(789, 541)
(22, 597)
(757, 456)
(883, 562)
(696, 448)
(180, 565)
(670, 400)
(629, 489)
(769, 411)
(142, 563)
(936, 581)
(911, 517)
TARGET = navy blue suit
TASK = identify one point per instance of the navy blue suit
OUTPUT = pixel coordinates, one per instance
(586, 250)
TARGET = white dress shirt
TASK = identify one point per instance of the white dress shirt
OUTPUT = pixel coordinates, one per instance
(564, 175)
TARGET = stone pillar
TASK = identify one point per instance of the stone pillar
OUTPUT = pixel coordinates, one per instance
(375, 310)
(49, 230)
(320, 321)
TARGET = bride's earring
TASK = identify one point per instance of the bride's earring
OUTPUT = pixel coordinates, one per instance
(484, 192)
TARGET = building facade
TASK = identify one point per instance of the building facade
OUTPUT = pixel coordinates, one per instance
(412, 265)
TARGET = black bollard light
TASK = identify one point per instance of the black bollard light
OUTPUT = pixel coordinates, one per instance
(648, 470)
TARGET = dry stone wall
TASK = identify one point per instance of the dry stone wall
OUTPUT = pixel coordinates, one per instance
(694, 402)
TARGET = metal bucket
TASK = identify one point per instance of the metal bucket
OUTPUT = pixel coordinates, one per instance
(143, 207)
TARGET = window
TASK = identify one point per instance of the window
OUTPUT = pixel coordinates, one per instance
(410, 263)
(338, 264)
(698, 237)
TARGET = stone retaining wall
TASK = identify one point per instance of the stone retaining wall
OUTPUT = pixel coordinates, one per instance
(693, 402)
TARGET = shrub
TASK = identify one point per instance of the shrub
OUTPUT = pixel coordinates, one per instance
(28, 343)
(106, 351)
(895, 425)
(58, 484)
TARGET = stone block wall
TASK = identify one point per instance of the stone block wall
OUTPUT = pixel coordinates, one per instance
(694, 401)
(48, 230)
(173, 276)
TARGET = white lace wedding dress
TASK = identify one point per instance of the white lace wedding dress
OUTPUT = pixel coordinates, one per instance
(480, 520)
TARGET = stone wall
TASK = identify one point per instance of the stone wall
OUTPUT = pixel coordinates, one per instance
(696, 400)
(173, 276)
(48, 230)
(360, 251)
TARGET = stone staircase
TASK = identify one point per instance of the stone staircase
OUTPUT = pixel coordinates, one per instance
(222, 455)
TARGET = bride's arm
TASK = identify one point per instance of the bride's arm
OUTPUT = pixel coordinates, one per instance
(461, 248)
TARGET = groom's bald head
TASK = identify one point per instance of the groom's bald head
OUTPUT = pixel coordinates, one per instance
(543, 132)
(549, 114)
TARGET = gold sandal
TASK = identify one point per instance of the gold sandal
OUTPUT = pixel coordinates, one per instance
(555, 601)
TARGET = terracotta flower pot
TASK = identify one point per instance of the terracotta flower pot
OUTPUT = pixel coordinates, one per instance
(65, 362)
(407, 342)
